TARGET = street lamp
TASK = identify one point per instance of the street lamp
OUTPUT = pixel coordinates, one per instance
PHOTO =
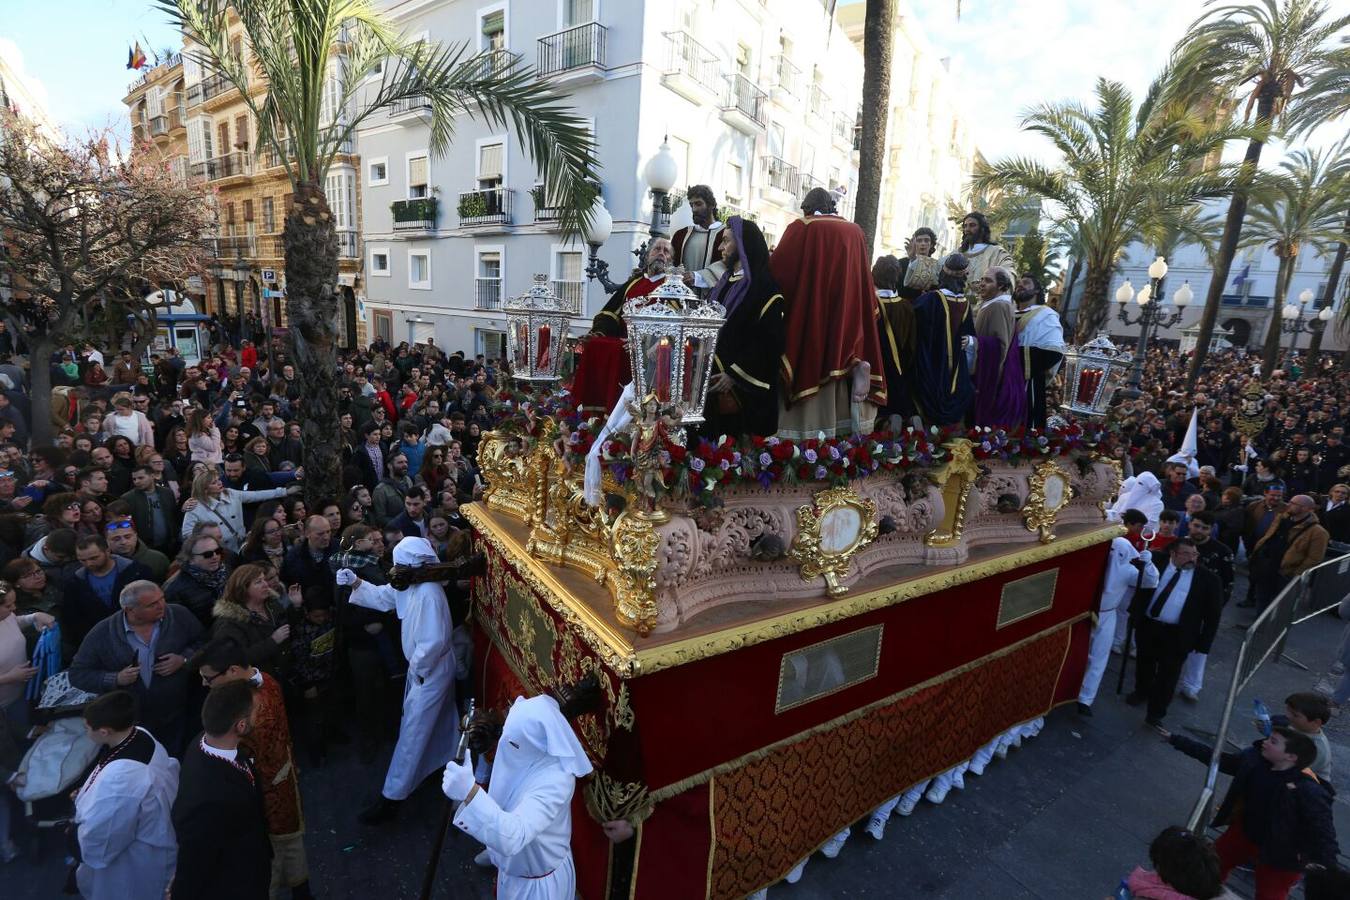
(1293, 315)
(660, 173)
(1151, 301)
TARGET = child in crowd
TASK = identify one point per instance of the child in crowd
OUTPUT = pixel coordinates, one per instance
(1169, 520)
(1308, 713)
(313, 660)
(1185, 867)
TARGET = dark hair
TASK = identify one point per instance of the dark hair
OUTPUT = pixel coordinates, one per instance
(704, 193)
(818, 200)
(1169, 515)
(61, 540)
(115, 710)
(367, 428)
(1134, 517)
(220, 654)
(1310, 705)
(1187, 862)
(91, 540)
(1182, 541)
(1204, 516)
(1040, 288)
(52, 506)
(1297, 743)
(226, 705)
(1002, 278)
(984, 236)
(316, 597)
(932, 236)
(886, 273)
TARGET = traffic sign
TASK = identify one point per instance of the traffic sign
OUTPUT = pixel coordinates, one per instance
(269, 275)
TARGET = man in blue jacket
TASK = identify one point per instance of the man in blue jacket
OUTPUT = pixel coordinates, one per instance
(91, 591)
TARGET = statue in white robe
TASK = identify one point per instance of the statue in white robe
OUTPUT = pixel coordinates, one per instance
(1122, 578)
(525, 815)
(124, 822)
(429, 731)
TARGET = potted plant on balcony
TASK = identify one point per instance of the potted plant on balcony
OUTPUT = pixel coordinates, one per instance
(473, 205)
(419, 209)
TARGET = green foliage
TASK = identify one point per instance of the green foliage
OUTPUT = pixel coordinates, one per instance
(473, 205)
(420, 210)
(1035, 257)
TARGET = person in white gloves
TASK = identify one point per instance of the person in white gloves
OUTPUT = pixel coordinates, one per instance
(429, 732)
(525, 815)
(1127, 570)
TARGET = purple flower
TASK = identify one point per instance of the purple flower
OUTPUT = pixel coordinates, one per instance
(736, 458)
(697, 464)
(809, 455)
(986, 446)
(725, 464)
(765, 479)
(772, 441)
(820, 473)
(765, 459)
(834, 452)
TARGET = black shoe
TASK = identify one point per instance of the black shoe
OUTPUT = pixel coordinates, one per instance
(1084, 709)
(1135, 699)
(1153, 723)
(382, 810)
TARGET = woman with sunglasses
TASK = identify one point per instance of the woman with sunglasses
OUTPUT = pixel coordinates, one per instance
(33, 590)
(200, 578)
(216, 504)
(59, 511)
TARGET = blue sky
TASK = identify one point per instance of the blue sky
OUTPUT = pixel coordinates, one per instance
(1007, 54)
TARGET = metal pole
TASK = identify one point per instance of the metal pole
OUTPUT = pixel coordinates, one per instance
(1148, 314)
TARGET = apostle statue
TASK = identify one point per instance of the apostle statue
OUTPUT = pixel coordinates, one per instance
(696, 245)
(743, 395)
(1000, 389)
(943, 391)
(1041, 335)
(831, 364)
(919, 268)
(895, 323)
(429, 730)
(980, 251)
(603, 368)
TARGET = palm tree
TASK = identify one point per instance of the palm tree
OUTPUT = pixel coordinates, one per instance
(300, 47)
(878, 28)
(1301, 206)
(1276, 47)
(1122, 170)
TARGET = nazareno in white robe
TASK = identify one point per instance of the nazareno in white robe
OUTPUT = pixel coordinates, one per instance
(125, 828)
(429, 732)
(525, 815)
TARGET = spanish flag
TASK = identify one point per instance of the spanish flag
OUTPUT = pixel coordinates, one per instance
(135, 57)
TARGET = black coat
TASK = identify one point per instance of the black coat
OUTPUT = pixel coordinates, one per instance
(83, 609)
(1199, 616)
(223, 849)
(1336, 522)
(145, 526)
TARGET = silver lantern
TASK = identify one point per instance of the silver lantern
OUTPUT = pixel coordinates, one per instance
(1092, 373)
(672, 336)
(536, 326)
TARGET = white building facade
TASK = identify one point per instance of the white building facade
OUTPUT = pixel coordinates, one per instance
(759, 103)
(1248, 306)
(930, 151)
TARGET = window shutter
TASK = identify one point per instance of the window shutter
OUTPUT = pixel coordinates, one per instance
(241, 132)
(192, 70)
(229, 213)
(417, 170)
(494, 22)
(196, 152)
(490, 161)
(154, 99)
(205, 124)
(223, 134)
(248, 210)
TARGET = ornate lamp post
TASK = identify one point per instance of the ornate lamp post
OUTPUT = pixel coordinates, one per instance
(1092, 373)
(661, 172)
(1150, 316)
(1293, 315)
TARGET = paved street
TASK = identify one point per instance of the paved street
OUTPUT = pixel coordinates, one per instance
(1062, 818)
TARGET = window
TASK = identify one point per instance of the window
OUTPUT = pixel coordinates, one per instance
(493, 29)
(241, 132)
(418, 183)
(377, 172)
(223, 133)
(199, 140)
(384, 325)
(743, 60)
(679, 148)
(379, 261)
(377, 70)
(491, 165)
(248, 210)
(269, 215)
(577, 12)
(419, 270)
(229, 213)
(569, 281)
(488, 279)
(341, 190)
(734, 184)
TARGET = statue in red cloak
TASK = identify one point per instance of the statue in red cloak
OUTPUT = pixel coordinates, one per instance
(832, 363)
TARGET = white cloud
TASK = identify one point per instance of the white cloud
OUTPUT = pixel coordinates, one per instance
(28, 91)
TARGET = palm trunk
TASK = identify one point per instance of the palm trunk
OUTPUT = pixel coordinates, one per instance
(1232, 233)
(1270, 353)
(311, 304)
(1066, 296)
(878, 25)
(40, 346)
(1092, 311)
(1329, 298)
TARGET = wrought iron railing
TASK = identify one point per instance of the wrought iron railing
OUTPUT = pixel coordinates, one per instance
(489, 293)
(780, 174)
(686, 56)
(573, 293)
(745, 97)
(214, 85)
(348, 244)
(489, 206)
(418, 214)
(573, 48)
(416, 103)
(786, 75)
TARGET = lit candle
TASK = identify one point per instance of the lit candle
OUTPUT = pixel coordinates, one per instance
(663, 359)
(544, 355)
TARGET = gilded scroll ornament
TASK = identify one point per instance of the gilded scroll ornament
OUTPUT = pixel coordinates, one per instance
(956, 479)
(635, 544)
(1049, 491)
(830, 530)
(608, 800)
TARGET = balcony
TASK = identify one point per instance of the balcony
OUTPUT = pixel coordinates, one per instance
(273, 246)
(817, 102)
(544, 210)
(194, 94)
(411, 109)
(489, 293)
(692, 70)
(415, 217)
(272, 159)
(348, 245)
(787, 81)
(159, 125)
(215, 86)
(843, 131)
(231, 165)
(743, 105)
(572, 293)
(245, 245)
(491, 206)
(577, 54)
(781, 179)
(496, 63)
